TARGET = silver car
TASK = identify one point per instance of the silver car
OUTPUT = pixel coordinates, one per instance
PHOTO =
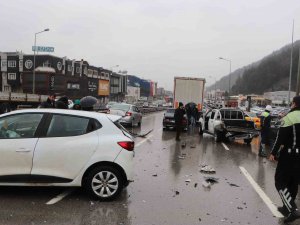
(131, 115)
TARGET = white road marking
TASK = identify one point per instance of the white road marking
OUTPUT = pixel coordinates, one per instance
(143, 141)
(60, 196)
(225, 146)
(261, 193)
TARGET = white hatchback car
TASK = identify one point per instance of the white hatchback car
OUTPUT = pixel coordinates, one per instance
(54, 147)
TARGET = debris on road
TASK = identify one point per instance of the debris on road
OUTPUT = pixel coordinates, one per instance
(139, 135)
(188, 180)
(233, 185)
(207, 169)
(195, 185)
(154, 175)
(193, 146)
(181, 157)
(211, 179)
(183, 144)
(206, 184)
(177, 192)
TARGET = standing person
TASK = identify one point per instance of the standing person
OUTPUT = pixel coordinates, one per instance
(287, 151)
(194, 115)
(179, 113)
(49, 103)
(62, 103)
(265, 121)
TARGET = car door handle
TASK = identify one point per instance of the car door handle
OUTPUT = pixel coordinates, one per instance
(23, 150)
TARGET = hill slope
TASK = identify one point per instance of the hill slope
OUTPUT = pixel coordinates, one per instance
(268, 74)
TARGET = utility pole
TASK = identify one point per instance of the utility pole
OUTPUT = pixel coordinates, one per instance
(298, 77)
(291, 66)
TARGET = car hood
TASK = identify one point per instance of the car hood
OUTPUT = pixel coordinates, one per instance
(113, 118)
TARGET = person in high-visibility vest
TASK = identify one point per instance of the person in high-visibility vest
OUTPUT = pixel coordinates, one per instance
(287, 151)
(265, 121)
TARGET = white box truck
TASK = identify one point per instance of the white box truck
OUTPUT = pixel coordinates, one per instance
(189, 89)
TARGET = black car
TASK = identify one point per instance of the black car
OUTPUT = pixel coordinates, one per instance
(169, 119)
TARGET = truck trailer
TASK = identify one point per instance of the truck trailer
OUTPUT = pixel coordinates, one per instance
(189, 90)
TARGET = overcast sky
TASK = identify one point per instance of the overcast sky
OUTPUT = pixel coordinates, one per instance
(155, 39)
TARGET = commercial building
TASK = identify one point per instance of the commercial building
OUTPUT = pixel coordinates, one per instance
(279, 97)
(59, 75)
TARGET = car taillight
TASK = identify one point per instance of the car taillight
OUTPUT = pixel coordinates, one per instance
(128, 145)
(128, 114)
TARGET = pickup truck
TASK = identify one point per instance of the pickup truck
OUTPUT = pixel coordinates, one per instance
(227, 124)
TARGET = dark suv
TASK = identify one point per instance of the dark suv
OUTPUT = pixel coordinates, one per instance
(169, 119)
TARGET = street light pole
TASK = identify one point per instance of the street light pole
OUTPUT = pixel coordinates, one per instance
(34, 50)
(228, 60)
(291, 66)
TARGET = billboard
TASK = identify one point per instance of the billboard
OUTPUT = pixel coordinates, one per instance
(103, 87)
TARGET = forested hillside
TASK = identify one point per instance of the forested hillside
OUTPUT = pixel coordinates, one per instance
(268, 74)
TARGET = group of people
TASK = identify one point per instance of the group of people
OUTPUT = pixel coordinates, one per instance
(62, 103)
(192, 115)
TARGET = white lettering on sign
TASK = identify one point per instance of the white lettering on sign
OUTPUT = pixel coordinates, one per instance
(42, 49)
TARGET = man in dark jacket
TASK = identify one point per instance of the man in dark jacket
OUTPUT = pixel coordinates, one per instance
(287, 151)
(179, 113)
(265, 121)
(49, 103)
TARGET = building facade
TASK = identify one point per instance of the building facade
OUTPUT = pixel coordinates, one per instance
(53, 74)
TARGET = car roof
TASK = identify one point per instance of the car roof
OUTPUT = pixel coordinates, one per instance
(64, 111)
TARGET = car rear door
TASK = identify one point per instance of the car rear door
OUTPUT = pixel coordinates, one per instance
(66, 147)
(19, 135)
(211, 120)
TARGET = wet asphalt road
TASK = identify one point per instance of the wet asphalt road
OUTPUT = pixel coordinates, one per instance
(160, 193)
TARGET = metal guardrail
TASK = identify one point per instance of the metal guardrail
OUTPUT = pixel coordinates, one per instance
(144, 110)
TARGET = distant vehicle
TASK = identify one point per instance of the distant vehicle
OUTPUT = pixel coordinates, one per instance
(169, 120)
(55, 147)
(110, 104)
(251, 116)
(145, 104)
(131, 115)
(187, 90)
(11, 100)
(227, 124)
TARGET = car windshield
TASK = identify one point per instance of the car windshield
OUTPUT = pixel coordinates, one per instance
(122, 107)
(111, 103)
(251, 114)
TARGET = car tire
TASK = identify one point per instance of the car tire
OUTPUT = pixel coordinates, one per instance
(104, 183)
(248, 141)
(218, 136)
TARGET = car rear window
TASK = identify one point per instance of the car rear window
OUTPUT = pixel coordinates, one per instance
(120, 107)
(170, 110)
